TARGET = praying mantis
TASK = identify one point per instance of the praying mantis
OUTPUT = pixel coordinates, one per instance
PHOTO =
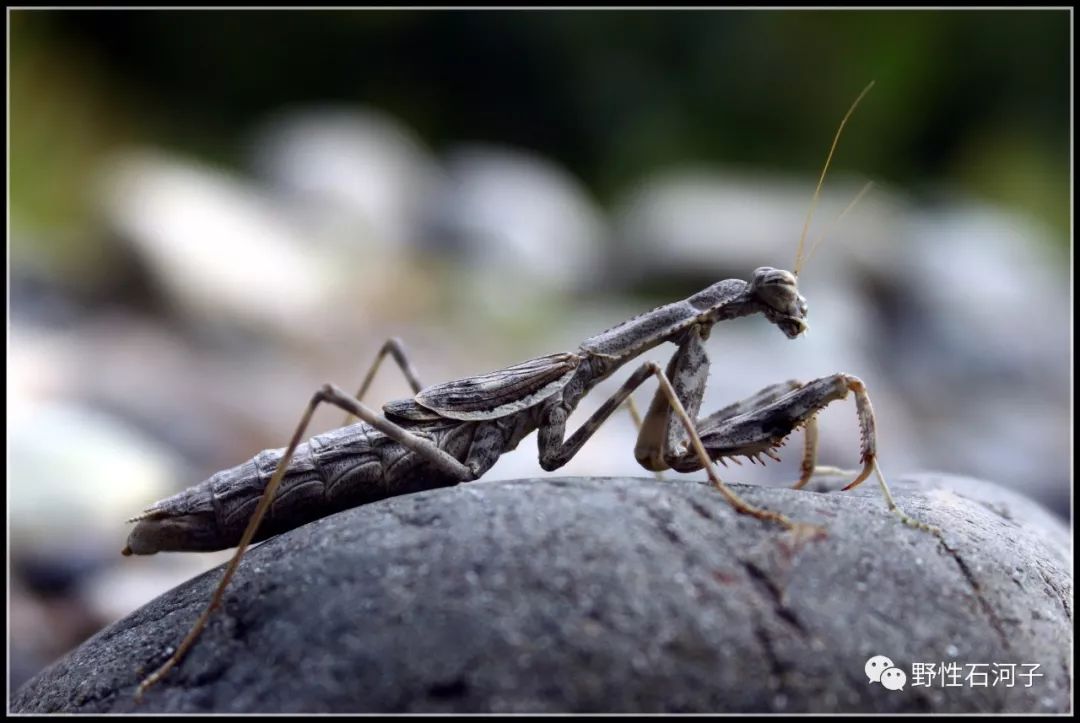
(454, 432)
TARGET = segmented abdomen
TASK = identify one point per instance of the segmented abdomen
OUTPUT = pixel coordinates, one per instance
(307, 491)
(343, 468)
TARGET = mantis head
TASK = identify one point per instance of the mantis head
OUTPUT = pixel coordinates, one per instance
(777, 292)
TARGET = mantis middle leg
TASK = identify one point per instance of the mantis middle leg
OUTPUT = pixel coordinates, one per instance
(554, 452)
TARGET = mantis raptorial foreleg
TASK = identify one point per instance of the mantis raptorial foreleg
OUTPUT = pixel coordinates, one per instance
(554, 452)
(767, 395)
(759, 399)
(661, 431)
(757, 430)
(763, 422)
(662, 441)
(333, 395)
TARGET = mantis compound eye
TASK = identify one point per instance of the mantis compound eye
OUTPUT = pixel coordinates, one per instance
(778, 294)
(777, 288)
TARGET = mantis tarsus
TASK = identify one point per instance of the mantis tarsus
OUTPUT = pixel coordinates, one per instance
(454, 432)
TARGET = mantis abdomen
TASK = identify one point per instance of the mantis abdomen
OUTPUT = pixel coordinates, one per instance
(343, 468)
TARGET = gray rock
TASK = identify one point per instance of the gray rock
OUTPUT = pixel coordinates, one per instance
(609, 595)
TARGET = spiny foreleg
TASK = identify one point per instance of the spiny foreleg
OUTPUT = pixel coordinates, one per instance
(662, 431)
(766, 396)
(554, 452)
(760, 430)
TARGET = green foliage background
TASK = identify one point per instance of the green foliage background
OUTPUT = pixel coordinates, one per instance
(975, 102)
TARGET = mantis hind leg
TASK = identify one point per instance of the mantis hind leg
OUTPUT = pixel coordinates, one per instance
(327, 393)
(396, 349)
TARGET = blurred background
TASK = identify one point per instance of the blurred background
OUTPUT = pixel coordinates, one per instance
(212, 213)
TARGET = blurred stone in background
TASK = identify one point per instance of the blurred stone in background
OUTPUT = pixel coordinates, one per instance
(505, 212)
(217, 246)
(355, 176)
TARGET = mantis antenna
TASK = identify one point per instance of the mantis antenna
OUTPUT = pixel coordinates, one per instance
(800, 258)
(819, 239)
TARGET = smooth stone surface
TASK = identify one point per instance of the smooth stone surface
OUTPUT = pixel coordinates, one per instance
(615, 594)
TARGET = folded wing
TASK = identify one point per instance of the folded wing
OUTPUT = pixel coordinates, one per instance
(502, 392)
